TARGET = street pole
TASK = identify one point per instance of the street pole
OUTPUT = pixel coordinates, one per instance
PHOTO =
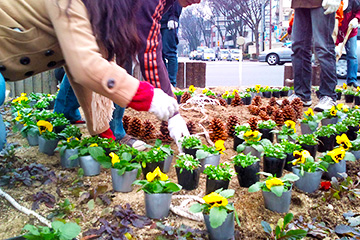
(270, 27)
(263, 24)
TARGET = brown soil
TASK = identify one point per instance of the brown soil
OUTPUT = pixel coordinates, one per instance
(250, 206)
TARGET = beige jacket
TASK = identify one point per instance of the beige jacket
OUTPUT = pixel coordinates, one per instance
(36, 35)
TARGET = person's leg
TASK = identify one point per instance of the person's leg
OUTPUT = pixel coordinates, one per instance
(169, 51)
(351, 58)
(301, 57)
(116, 124)
(322, 29)
(66, 101)
(2, 125)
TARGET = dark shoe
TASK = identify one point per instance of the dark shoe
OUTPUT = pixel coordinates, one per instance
(81, 121)
(132, 142)
(354, 84)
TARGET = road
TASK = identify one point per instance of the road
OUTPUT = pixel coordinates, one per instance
(224, 73)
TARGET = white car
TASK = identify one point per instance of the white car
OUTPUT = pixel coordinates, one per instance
(223, 54)
(192, 55)
(234, 54)
(208, 55)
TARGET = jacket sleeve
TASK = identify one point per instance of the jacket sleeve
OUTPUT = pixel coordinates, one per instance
(83, 55)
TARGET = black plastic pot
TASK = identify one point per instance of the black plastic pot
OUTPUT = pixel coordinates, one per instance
(267, 94)
(357, 100)
(338, 95)
(191, 151)
(16, 238)
(229, 100)
(276, 94)
(352, 132)
(311, 148)
(326, 143)
(237, 141)
(246, 100)
(212, 185)
(178, 98)
(349, 98)
(150, 167)
(284, 93)
(288, 165)
(266, 133)
(274, 166)
(187, 179)
(248, 176)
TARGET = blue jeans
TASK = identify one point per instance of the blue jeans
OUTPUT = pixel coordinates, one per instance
(312, 26)
(66, 101)
(2, 125)
(351, 58)
(116, 124)
(169, 52)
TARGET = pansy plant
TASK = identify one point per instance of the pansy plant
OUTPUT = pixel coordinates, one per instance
(311, 119)
(244, 160)
(306, 162)
(253, 139)
(274, 184)
(287, 130)
(336, 155)
(186, 161)
(223, 171)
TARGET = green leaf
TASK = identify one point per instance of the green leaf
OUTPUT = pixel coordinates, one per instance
(56, 225)
(349, 157)
(240, 148)
(277, 190)
(69, 231)
(172, 187)
(287, 219)
(217, 216)
(290, 177)
(294, 234)
(91, 204)
(32, 229)
(277, 231)
(96, 152)
(201, 154)
(266, 226)
(255, 187)
(121, 172)
(196, 208)
(227, 193)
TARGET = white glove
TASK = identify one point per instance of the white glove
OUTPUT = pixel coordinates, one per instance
(354, 23)
(177, 129)
(330, 6)
(172, 24)
(337, 51)
(162, 105)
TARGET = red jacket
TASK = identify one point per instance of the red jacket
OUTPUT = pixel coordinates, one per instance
(351, 12)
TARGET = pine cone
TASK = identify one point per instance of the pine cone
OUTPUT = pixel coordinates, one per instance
(272, 101)
(298, 106)
(289, 113)
(126, 121)
(254, 110)
(186, 96)
(269, 109)
(135, 127)
(191, 127)
(285, 103)
(222, 102)
(237, 101)
(164, 132)
(217, 130)
(148, 130)
(263, 115)
(256, 101)
(231, 123)
(253, 121)
(277, 116)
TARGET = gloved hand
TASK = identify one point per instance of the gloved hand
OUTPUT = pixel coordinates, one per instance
(354, 23)
(330, 6)
(177, 129)
(289, 30)
(337, 51)
(172, 24)
(162, 105)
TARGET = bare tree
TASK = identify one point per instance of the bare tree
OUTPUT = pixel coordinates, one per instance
(190, 28)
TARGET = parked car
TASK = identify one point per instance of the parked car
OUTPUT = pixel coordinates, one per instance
(200, 51)
(223, 54)
(208, 55)
(192, 55)
(276, 55)
(235, 54)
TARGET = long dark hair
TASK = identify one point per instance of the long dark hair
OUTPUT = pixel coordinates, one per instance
(113, 23)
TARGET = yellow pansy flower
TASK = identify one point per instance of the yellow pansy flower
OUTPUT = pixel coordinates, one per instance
(343, 141)
(300, 156)
(337, 154)
(151, 176)
(44, 126)
(215, 200)
(345, 109)
(344, 86)
(235, 91)
(333, 111)
(267, 87)
(71, 138)
(205, 90)
(273, 182)
(309, 112)
(290, 124)
(219, 145)
(257, 88)
(340, 106)
(358, 89)
(114, 158)
(356, 107)
(93, 145)
(248, 89)
(192, 88)
(19, 117)
(252, 136)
